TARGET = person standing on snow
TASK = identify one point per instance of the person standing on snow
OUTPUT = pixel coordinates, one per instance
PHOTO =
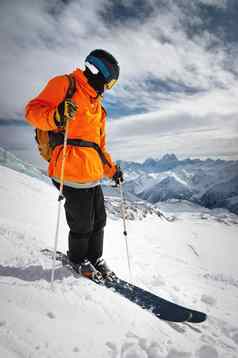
(86, 163)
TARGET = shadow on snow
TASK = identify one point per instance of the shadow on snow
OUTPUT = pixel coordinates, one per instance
(33, 273)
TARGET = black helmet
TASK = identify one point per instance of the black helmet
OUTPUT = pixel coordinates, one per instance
(102, 62)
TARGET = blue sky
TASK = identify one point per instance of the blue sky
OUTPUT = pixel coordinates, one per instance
(178, 86)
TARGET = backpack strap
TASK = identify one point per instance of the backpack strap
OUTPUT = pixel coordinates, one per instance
(57, 138)
(84, 143)
(72, 87)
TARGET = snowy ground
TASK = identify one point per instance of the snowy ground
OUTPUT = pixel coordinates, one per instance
(192, 260)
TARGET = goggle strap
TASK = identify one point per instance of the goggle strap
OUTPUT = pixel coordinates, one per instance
(100, 66)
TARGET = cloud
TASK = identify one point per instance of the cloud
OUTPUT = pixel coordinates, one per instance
(177, 62)
(40, 39)
(54, 37)
(195, 127)
(217, 3)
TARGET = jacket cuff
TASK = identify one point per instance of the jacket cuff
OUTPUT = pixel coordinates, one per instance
(109, 171)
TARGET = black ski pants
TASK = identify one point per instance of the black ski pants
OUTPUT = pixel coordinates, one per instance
(86, 217)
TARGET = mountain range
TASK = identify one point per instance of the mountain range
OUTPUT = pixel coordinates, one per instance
(210, 183)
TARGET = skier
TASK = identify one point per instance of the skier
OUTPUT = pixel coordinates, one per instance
(87, 159)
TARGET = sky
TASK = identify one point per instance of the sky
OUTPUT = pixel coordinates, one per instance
(177, 91)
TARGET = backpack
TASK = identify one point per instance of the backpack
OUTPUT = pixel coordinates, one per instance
(45, 139)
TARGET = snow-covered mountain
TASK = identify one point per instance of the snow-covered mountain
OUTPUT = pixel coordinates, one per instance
(220, 194)
(211, 183)
(9, 160)
(175, 259)
(167, 188)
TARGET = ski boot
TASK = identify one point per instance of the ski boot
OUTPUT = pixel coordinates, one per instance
(105, 271)
(89, 271)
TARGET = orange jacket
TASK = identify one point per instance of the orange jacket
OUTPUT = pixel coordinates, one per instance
(82, 164)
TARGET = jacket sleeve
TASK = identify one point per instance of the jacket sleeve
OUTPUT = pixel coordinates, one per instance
(108, 171)
(39, 112)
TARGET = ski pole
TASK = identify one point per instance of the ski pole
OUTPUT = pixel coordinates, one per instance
(60, 198)
(124, 228)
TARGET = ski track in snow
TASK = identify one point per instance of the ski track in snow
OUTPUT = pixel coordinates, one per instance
(81, 319)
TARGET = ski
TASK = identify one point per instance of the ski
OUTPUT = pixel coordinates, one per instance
(158, 306)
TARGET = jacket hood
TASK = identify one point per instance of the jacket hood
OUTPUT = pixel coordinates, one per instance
(83, 82)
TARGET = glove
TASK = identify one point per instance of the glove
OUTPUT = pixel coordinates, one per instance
(118, 176)
(65, 112)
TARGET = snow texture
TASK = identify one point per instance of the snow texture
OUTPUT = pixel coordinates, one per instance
(191, 260)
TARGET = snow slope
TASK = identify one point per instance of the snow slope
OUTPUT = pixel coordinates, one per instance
(192, 260)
